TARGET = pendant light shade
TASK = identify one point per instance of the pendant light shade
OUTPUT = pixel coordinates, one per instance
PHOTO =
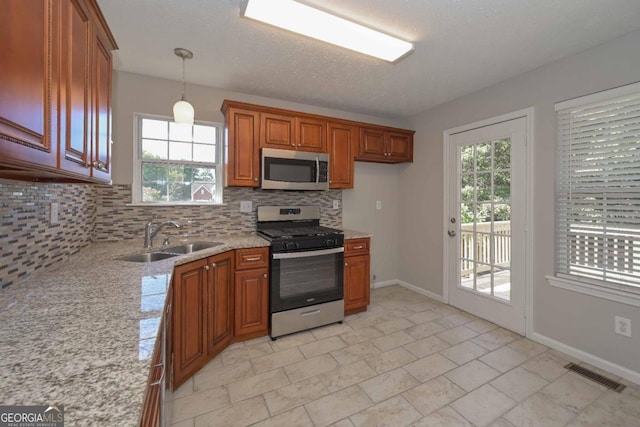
(183, 112)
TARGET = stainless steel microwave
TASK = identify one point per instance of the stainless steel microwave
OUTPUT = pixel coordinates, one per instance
(294, 170)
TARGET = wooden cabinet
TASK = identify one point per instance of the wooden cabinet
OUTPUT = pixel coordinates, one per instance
(356, 275)
(242, 148)
(252, 292)
(55, 112)
(251, 127)
(311, 134)
(277, 131)
(202, 313)
(343, 138)
(385, 146)
(216, 301)
(29, 44)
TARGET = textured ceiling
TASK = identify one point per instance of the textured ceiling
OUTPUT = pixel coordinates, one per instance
(461, 46)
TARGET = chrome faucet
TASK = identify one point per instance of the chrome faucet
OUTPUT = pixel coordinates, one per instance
(150, 232)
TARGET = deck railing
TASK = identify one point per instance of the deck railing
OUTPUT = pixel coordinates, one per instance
(487, 248)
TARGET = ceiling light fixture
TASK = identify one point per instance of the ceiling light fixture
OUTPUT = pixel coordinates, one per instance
(183, 111)
(302, 19)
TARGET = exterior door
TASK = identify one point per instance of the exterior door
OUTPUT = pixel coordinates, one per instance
(486, 227)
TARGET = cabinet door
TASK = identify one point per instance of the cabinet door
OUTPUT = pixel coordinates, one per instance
(28, 124)
(276, 131)
(101, 110)
(311, 134)
(356, 283)
(372, 145)
(189, 320)
(252, 302)
(243, 152)
(400, 147)
(342, 141)
(75, 130)
(219, 302)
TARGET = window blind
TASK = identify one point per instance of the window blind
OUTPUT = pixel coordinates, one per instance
(598, 190)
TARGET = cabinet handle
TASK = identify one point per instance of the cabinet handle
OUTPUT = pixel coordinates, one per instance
(252, 259)
(213, 265)
(161, 376)
(255, 179)
(358, 247)
(346, 264)
(299, 145)
(264, 276)
(206, 267)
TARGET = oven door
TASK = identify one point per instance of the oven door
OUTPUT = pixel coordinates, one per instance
(300, 279)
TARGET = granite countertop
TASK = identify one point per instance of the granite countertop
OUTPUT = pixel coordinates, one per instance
(353, 234)
(81, 334)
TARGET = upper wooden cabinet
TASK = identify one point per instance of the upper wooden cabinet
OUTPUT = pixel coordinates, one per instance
(277, 131)
(251, 127)
(385, 146)
(55, 112)
(311, 134)
(242, 148)
(343, 140)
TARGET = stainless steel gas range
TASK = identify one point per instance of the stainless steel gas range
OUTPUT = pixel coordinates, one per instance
(306, 267)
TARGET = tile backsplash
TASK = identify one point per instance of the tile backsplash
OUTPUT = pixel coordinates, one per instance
(28, 242)
(117, 220)
(100, 213)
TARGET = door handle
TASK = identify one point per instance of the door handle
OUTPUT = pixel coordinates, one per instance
(451, 233)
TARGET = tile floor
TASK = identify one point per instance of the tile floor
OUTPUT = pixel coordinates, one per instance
(408, 361)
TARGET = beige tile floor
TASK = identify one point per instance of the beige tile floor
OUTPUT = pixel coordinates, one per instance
(408, 361)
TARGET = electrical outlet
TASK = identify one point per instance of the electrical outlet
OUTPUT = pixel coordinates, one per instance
(623, 326)
(53, 213)
(379, 205)
(246, 206)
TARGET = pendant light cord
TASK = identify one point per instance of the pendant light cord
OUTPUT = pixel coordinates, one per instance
(184, 81)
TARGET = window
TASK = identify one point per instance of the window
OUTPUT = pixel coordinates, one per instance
(598, 194)
(177, 163)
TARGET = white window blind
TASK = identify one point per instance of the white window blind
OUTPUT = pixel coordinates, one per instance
(598, 190)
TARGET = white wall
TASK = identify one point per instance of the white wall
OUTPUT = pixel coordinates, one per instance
(134, 93)
(580, 321)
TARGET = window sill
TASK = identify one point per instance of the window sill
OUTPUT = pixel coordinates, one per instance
(595, 291)
(161, 205)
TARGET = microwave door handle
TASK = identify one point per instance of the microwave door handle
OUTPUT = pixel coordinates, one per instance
(317, 171)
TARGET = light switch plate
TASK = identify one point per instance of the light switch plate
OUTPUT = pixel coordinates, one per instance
(379, 205)
(246, 206)
(53, 213)
(336, 204)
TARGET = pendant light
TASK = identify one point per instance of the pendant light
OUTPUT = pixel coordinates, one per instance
(183, 111)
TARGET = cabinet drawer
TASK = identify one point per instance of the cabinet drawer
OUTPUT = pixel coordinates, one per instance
(252, 258)
(356, 247)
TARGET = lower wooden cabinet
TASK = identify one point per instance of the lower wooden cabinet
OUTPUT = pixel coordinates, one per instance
(252, 302)
(202, 313)
(214, 305)
(357, 287)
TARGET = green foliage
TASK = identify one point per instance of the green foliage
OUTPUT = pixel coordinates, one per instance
(485, 178)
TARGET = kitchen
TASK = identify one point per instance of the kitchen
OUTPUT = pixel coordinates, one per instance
(101, 213)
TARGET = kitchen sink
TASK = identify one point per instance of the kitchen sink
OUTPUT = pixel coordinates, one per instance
(148, 257)
(189, 247)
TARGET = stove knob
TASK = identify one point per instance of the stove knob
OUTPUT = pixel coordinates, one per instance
(330, 242)
(291, 245)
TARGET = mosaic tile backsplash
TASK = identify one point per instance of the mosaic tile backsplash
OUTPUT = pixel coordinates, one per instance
(100, 213)
(28, 242)
(116, 221)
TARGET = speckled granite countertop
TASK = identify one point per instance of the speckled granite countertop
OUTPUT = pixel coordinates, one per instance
(353, 234)
(81, 333)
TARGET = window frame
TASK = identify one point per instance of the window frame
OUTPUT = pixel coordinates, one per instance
(136, 186)
(622, 293)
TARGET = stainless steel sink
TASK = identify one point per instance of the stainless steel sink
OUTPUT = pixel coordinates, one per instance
(148, 257)
(189, 247)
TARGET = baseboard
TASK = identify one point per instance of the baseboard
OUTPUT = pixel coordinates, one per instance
(409, 286)
(615, 369)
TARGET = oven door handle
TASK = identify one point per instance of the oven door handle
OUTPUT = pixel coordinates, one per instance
(307, 254)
